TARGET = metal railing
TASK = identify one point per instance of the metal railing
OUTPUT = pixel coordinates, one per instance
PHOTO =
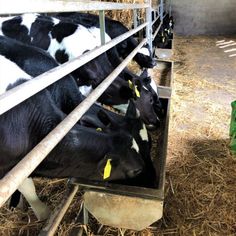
(11, 181)
(23, 169)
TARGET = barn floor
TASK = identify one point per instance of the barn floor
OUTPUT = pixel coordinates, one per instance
(200, 179)
(200, 194)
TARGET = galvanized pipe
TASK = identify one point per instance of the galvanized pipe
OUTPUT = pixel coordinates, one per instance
(59, 212)
(153, 22)
(170, 8)
(102, 26)
(27, 165)
(20, 93)
(149, 25)
(27, 6)
(161, 10)
(135, 18)
(155, 34)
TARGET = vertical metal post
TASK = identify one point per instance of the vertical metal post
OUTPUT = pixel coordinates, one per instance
(85, 215)
(135, 18)
(140, 33)
(161, 10)
(102, 26)
(170, 8)
(149, 25)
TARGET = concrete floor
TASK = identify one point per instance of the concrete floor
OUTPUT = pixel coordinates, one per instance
(212, 74)
(200, 171)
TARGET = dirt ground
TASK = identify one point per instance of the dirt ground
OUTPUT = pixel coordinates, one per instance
(200, 196)
(200, 179)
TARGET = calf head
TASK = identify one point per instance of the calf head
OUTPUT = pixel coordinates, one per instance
(109, 121)
(145, 101)
(117, 93)
(123, 159)
(144, 57)
(157, 106)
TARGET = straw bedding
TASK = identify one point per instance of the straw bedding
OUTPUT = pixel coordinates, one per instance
(200, 196)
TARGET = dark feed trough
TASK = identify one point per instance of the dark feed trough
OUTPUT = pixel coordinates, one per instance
(111, 203)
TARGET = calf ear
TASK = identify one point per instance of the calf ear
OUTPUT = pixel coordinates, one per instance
(138, 83)
(147, 80)
(144, 74)
(126, 93)
(131, 110)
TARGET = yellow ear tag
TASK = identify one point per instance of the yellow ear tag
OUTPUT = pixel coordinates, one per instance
(107, 169)
(137, 92)
(130, 84)
(99, 129)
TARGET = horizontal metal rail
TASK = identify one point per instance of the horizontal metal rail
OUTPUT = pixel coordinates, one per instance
(154, 21)
(11, 181)
(59, 212)
(18, 94)
(156, 32)
(27, 6)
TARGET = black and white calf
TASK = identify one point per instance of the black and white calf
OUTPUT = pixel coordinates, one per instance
(83, 152)
(21, 61)
(113, 29)
(65, 94)
(65, 41)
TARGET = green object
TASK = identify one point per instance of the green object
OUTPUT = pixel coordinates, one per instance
(232, 144)
(232, 131)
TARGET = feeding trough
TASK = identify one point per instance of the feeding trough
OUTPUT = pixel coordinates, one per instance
(165, 53)
(133, 207)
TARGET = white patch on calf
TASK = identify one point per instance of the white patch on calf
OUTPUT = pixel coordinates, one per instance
(85, 90)
(55, 21)
(153, 85)
(135, 146)
(74, 44)
(10, 73)
(122, 108)
(27, 188)
(28, 20)
(144, 51)
(137, 113)
(143, 133)
(96, 33)
(53, 47)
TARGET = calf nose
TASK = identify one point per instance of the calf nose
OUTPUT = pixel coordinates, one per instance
(133, 173)
(154, 62)
(151, 127)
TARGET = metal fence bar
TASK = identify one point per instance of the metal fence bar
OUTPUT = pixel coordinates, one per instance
(135, 18)
(27, 6)
(59, 212)
(153, 22)
(102, 26)
(156, 32)
(149, 26)
(170, 7)
(161, 10)
(18, 94)
(10, 182)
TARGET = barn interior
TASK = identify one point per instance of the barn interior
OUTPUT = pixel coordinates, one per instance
(199, 187)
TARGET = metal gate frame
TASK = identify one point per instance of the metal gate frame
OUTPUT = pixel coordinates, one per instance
(12, 180)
